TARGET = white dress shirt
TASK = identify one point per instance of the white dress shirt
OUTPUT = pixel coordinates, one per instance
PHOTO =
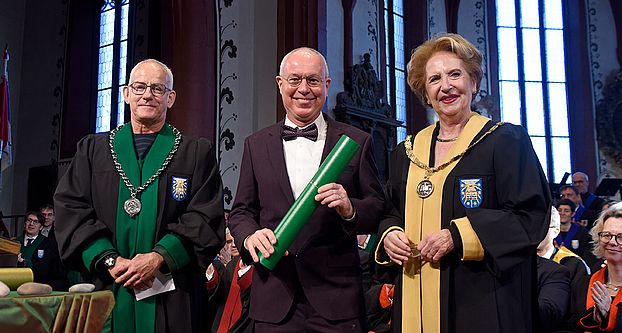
(27, 238)
(303, 156)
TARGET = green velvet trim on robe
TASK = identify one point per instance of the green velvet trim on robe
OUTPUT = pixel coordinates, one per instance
(93, 250)
(136, 234)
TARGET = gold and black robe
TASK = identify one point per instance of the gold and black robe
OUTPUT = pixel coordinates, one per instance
(495, 201)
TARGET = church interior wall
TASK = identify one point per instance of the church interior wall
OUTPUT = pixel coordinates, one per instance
(36, 34)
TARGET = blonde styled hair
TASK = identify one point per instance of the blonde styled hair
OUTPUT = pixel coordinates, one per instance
(453, 43)
(614, 211)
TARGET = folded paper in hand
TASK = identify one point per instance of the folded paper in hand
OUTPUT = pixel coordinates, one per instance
(161, 284)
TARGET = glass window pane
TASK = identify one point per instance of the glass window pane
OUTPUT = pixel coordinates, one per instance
(510, 102)
(106, 28)
(558, 109)
(109, 4)
(388, 42)
(555, 63)
(531, 55)
(122, 62)
(388, 85)
(400, 102)
(105, 67)
(530, 16)
(561, 157)
(121, 109)
(535, 108)
(508, 59)
(397, 7)
(400, 95)
(102, 122)
(124, 14)
(506, 16)
(398, 39)
(539, 145)
(553, 16)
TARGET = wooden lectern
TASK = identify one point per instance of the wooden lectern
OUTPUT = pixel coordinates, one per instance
(9, 249)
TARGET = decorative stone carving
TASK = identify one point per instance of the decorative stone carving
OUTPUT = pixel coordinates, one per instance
(361, 106)
(609, 119)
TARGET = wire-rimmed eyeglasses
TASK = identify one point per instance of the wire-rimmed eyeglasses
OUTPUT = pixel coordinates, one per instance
(312, 81)
(157, 89)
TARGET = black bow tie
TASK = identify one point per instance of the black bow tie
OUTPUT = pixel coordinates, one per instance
(291, 133)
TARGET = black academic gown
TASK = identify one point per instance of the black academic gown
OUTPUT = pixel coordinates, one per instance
(86, 207)
(498, 294)
(218, 298)
(553, 294)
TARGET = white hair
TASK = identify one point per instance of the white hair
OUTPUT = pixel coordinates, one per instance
(169, 73)
(304, 49)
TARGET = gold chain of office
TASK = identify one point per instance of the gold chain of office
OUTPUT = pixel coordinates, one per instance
(425, 187)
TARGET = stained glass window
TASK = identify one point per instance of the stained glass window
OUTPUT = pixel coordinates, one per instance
(113, 32)
(396, 64)
(532, 77)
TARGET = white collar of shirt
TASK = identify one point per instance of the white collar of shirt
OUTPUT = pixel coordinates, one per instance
(28, 238)
(303, 156)
(320, 122)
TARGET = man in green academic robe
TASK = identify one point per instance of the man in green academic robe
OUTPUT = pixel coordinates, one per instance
(141, 203)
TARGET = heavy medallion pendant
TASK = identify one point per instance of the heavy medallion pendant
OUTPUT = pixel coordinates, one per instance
(132, 206)
(425, 188)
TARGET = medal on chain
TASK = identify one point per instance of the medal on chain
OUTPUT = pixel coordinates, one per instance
(425, 188)
(132, 206)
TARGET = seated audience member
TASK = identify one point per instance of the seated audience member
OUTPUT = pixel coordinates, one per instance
(365, 244)
(379, 305)
(577, 268)
(41, 254)
(47, 230)
(553, 294)
(229, 292)
(572, 236)
(592, 203)
(602, 296)
(584, 217)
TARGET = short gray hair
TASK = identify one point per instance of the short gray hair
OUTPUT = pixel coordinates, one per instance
(301, 49)
(169, 73)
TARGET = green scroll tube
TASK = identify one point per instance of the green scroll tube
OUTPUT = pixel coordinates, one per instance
(302, 209)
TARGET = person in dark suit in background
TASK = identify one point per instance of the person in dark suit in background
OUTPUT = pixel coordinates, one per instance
(317, 286)
(594, 205)
(47, 230)
(41, 254)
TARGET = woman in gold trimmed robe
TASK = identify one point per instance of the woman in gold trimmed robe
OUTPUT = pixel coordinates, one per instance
(469, 204)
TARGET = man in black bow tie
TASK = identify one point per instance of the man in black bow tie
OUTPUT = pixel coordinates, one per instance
(317, 287)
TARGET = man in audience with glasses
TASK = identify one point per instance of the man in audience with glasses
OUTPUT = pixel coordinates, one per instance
(141, 203)
(41, 254)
